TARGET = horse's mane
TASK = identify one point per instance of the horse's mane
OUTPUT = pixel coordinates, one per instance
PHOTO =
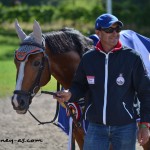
(67, 39)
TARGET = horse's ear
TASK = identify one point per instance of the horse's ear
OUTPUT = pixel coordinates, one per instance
(37, 33)
(19, 31)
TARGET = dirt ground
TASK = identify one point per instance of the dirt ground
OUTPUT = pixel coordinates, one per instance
(22, 132)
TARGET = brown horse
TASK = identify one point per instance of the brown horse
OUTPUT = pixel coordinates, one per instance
(56, 53)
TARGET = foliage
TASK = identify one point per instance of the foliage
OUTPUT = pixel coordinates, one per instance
(25, 13)
(54, 3)
(77, 13)
(44, 14)
(132, 17)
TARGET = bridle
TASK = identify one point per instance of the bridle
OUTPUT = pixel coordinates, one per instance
(36, 84)
(31, 93)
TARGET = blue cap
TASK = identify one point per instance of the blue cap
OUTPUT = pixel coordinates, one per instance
(106, 20)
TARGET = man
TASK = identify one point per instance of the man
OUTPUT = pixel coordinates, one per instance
(112, 74)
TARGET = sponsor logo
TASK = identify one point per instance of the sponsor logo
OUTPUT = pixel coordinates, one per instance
(91, 79)
(120, 80)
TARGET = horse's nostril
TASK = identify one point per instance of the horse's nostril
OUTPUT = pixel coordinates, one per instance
(22, 103)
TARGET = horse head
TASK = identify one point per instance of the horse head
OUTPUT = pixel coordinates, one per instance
(33, 68)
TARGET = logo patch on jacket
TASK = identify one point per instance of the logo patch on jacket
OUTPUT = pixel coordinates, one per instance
(120, 80)
(91, 79)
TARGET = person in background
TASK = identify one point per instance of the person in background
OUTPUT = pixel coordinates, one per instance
(95, 39)
(112, 74)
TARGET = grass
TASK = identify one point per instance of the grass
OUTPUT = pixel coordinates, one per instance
(7, 76)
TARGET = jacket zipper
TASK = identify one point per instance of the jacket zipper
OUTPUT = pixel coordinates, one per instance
(124, 105)
(105, 88)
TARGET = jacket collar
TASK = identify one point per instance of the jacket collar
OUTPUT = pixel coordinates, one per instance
(116, 48)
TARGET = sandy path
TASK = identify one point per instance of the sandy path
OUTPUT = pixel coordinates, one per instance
(22, 132)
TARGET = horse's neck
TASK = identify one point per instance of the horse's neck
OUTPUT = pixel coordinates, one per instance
(63, 67)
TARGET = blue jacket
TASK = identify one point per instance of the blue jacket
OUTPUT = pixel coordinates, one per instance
(112, 81)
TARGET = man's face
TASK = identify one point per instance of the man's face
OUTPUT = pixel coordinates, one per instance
(110, 36)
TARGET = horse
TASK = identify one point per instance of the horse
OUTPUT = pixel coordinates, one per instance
(39, 56)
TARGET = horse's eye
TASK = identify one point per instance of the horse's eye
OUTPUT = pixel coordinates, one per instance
(36, 63)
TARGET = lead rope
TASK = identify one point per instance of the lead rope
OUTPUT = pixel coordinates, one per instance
(52, 121)
(56, 113)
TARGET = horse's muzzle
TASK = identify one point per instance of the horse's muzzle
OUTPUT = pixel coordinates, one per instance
(23, 103)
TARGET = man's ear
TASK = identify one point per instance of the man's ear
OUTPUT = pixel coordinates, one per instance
(98, 33)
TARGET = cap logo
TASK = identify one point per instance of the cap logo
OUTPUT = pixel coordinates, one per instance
(97, 24)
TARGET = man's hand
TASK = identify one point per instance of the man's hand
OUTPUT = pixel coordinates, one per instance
(62, 96)
(143, 136)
